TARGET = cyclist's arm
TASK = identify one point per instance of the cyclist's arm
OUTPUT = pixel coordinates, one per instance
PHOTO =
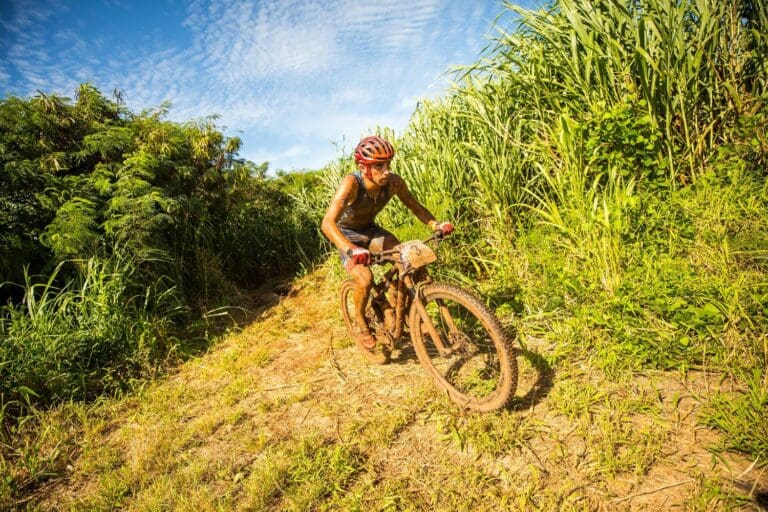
(418, 209)
(347, 189)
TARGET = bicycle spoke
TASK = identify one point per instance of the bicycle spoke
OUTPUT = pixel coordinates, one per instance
(472, 365)
(465, 348)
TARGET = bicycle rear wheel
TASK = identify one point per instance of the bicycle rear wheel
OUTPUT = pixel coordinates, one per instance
(380, 353)
(468, 353)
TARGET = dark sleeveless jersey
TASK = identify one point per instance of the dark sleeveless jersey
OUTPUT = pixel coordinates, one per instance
(364, 208)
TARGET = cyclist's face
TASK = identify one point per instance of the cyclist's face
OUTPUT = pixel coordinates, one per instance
(379, 173)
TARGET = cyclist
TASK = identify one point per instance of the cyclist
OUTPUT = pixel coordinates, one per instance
(349, 223)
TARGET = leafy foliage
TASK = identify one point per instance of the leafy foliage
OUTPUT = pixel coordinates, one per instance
(121, 228)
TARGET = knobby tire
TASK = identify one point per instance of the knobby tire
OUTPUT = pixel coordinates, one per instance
(481, 371)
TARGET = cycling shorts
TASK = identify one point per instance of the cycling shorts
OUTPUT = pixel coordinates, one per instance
(362, 238)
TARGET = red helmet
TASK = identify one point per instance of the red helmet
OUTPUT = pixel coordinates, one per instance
(372, 150)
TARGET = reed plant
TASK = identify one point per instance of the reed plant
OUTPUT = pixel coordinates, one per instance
(696, 65)
(604, 162)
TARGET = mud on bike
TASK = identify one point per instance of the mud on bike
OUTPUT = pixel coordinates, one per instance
(457, 339)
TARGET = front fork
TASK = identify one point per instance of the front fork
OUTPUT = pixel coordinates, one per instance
(420, 317)
(394, 294)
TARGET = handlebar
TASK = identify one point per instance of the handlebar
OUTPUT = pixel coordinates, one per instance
(437, 235)
(380, 256)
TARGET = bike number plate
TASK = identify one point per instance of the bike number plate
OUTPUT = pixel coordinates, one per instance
(416, 254)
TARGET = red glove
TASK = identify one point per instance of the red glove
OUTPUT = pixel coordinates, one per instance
(359, 256)
(445, 228)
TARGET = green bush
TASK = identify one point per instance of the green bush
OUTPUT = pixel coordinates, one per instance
(122, 229)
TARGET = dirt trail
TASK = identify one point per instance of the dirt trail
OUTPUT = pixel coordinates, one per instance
(292, 374)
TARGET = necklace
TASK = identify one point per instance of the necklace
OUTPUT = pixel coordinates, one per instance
(376, 196)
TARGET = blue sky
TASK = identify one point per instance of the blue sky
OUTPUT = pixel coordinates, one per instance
(298, 81)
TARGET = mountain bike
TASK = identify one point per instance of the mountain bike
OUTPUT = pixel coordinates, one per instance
(457, 339)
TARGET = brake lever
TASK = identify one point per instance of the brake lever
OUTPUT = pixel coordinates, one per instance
(436, 235)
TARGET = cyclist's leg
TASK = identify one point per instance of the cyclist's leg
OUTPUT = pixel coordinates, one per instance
(374, 238)
(384, 241)
(363, 278)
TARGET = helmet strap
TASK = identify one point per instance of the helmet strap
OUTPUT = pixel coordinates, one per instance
(366, 170)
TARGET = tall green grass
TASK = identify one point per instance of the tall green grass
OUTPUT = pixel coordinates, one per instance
(605, 163)
(88, 336)
(93, 335)
(696, 64)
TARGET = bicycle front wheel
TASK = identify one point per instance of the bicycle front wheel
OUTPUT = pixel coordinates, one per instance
(463, 345)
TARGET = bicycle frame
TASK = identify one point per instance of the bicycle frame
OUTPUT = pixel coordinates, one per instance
(405, 281)
(456, 338)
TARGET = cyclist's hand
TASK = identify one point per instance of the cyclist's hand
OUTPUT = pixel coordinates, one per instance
(359, 256)
(445, 228)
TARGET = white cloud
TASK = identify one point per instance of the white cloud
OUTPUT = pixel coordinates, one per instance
(293, 75)
(346, 94)
(296, 153)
